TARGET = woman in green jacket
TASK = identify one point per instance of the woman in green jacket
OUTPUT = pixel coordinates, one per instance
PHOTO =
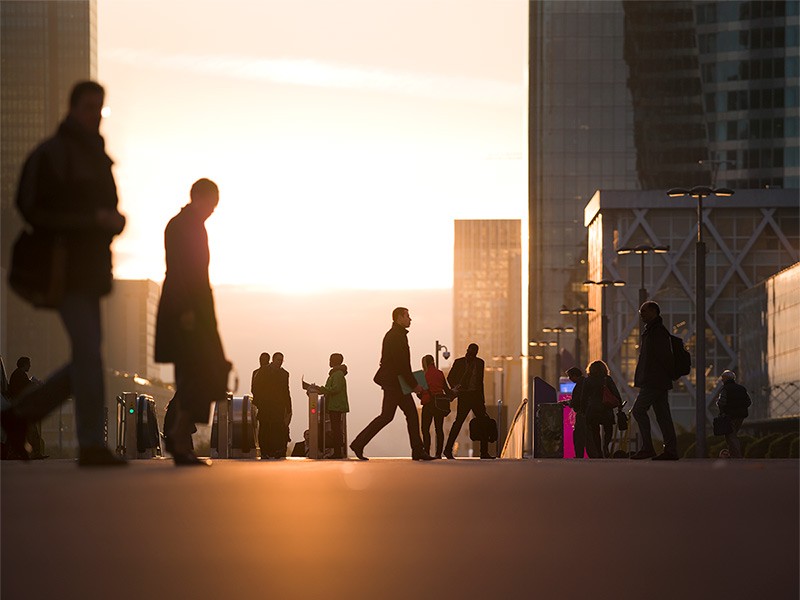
(335, 390)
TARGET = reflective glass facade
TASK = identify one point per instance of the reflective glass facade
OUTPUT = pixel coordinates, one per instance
(749, 237)
(769, 345)
(487, 294)
(749, 57)
(45, 47)
(631, 95)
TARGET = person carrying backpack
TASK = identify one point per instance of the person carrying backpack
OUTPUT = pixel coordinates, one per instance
(653, 377)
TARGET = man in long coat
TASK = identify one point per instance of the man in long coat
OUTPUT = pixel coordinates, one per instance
(274, 402)
(186, 327)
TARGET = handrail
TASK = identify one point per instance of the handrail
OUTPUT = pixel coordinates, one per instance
(512, 435)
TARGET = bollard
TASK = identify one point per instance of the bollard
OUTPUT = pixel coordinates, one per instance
(223, 428)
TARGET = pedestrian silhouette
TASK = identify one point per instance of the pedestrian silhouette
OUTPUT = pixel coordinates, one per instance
(19, 382)
(336, 404)
(579, 406)
(435, 405)
(274, 403)
(395, 364)
(653, 377)
(68, 199)
(186, 326)
(263, 362)
(599, 412)
(466, 379)
(733, 401)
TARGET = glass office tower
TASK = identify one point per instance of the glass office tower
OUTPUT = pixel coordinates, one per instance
(45, 47)
(628, 95)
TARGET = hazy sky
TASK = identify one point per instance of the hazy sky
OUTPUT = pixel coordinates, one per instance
(345, 136)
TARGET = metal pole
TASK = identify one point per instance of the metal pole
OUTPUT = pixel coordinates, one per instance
(700, 301)
(437, 354)
(558, 356)
(604, 323)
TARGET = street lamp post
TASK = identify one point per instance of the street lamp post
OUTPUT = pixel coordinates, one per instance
(641, 250)
(698, 193)
(558, 331)
(444, 350)
(578, 312)
(604, 283)
(503, 357)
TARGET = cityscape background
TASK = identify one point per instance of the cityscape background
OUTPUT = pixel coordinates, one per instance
(372, 155)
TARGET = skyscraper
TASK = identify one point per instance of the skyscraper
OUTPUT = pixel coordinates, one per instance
(487, 296)
(45, 47)
(649, 95)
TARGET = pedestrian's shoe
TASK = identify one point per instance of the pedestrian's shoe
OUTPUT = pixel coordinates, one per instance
(448, 454)
(422, 456)
(489, 456)
(190, 459)
(642, 455)
(666, 456)
(359, 452)
(437, 456)
(99, 456)
(14, 427)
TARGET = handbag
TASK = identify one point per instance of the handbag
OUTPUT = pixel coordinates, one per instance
(622, 420)
(38, 272)
(609, 399)
(723, 425)
(442, 404)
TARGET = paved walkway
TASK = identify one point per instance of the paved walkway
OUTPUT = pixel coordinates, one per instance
(400, 529)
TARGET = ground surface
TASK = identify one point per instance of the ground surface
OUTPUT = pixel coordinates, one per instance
(399, 529)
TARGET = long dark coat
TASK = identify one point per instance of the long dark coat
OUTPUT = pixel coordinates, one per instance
(187, 289)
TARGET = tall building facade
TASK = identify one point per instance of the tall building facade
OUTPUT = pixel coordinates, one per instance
(129, 328)
(487, 299)
(769, 345)
(487, 310)
(749, 237)
(628, 95)
(45, 47)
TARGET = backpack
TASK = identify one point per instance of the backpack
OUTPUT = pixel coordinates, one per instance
(681, 359)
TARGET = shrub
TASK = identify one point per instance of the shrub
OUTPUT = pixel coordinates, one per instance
(794, 449)
(781, 446)
(714, 450)
(760, 447)
(710, 444)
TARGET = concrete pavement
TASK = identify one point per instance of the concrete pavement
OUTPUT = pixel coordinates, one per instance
(393, 528)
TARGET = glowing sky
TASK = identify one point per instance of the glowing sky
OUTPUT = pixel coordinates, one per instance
(345, 136)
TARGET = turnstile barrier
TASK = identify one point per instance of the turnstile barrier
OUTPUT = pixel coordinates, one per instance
(138, 433)
(320, 436)
(236, 438)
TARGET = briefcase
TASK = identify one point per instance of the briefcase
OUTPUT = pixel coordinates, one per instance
(483, 429)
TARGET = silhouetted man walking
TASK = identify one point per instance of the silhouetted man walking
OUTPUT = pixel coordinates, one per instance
(733, 400)
(68, 196)
(653, 377)
(395, 363)
(186, 327)
(466, 379)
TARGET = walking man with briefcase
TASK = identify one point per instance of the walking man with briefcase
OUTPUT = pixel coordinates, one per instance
(466, 379)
